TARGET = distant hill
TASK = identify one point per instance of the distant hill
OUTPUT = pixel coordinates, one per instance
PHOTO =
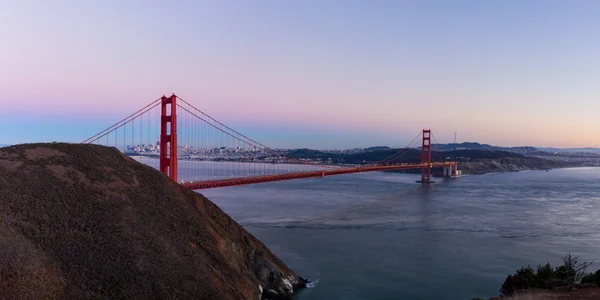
(572, 150)
(315, 155)
(525, 150)
(4, 145)
(406, 156)
(471, 161)
(478, 146)
(464, 146)
(376, 148)
(87, 222)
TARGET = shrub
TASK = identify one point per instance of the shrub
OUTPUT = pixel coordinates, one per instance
(589, 278)
(545, 277)
(571, 270)
(592, 278)
(512, 284)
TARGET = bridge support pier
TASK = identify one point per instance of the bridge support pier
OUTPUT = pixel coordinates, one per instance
(168, 137)
(448, 172)
(452, 171)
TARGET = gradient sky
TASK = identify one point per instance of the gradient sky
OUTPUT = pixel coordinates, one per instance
(320, 74)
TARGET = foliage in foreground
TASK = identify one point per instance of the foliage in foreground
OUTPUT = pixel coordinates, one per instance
(546, 277)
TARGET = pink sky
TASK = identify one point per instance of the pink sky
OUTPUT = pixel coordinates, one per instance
(489, 72)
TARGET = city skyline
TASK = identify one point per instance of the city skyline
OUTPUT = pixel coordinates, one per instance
(324, 75)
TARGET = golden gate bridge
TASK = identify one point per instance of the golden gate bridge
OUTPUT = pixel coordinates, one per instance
(213, 154)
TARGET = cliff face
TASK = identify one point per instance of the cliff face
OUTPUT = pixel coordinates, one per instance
(84, 221)
(507, 164)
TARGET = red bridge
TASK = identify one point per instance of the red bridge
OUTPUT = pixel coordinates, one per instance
(199, 152)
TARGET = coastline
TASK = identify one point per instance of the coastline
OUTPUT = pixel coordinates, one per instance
(510, 164)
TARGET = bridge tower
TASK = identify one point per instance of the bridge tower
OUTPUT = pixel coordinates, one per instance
(426, 156)
(168, 136)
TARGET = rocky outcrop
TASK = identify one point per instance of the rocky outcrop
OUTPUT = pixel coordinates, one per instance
(85, 221)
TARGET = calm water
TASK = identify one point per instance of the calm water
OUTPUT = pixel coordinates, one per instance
(382, 236)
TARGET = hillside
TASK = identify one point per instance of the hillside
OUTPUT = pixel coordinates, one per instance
(408, 156)
(84, 221)
(572, 150)
(471, 161)
(507, 164)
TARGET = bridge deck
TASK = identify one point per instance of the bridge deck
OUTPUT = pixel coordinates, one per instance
(337, 171)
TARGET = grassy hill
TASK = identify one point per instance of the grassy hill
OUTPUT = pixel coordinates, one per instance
(84, 221)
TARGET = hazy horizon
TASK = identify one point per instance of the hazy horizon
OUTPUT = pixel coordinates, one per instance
(372, 146)
(308, 74)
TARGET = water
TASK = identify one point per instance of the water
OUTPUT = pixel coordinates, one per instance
(382, 236)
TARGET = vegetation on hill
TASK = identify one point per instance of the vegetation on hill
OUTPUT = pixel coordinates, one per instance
(507, 164)
(409, 156)
(468, 155)
(545, 277)
(472, 161)
(376, 148)
(317, 155)
(85, 221)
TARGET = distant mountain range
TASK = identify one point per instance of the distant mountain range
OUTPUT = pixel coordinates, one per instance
(525, 150)
(478, 146)
(4, 145)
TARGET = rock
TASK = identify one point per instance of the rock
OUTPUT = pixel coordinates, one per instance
(271, 294)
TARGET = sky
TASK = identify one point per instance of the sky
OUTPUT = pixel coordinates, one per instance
(311, 73)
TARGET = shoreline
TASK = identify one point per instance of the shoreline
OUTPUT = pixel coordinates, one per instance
(529, 169)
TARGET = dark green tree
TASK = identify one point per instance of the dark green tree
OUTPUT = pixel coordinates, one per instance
(527, 274)
(545, 276)
(523, 279)
(571, 270)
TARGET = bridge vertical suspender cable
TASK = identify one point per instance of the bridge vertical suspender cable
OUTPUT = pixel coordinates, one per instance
(193, 148)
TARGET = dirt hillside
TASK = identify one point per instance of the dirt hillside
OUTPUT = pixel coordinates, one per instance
(85, 221)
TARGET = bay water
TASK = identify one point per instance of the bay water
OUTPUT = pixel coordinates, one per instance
(383, 236)
(380, 235)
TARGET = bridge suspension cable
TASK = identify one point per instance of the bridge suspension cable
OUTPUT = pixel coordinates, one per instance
(194, 148)
(215, 151)
(235, 134)
(410, 146)
(125, 120)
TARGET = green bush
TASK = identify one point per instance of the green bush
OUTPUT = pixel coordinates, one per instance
(592, 278)
(589, 278)
(512, 284)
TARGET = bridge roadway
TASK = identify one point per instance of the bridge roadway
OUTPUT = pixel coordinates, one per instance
(309, 174)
